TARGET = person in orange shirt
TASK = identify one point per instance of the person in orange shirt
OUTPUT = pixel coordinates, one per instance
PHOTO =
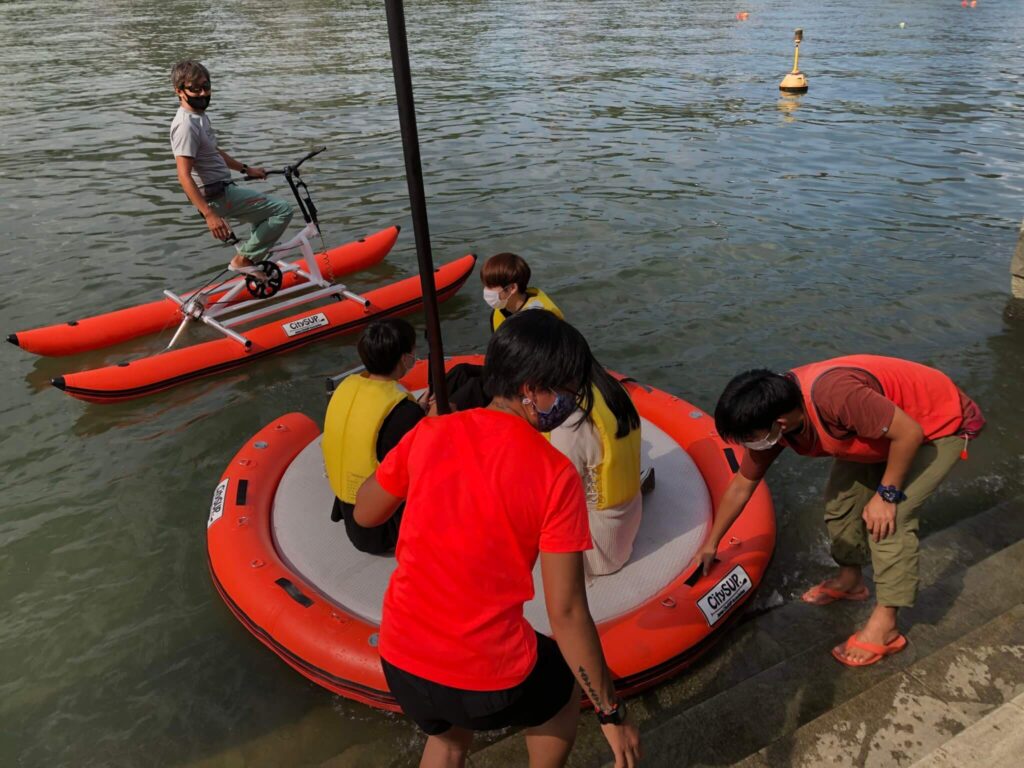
(485, 496)
(895, 430)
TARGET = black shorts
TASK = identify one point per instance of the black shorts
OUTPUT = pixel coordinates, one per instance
(435, 708)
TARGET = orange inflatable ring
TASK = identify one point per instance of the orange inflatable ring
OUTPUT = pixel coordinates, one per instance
(336, 650)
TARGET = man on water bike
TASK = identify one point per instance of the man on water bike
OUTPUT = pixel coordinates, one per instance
(204, 171)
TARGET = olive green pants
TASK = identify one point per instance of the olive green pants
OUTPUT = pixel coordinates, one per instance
(895, 558)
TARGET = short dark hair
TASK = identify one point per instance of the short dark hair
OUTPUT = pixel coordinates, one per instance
(384, 342)
(752, 401)
(186, 72)
(538, 349)
(505, 269)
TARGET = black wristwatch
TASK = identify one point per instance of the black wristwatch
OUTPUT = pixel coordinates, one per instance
(245, 169)
(614, 716)
(891, 494)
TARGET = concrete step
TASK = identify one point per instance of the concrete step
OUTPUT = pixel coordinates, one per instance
(774, 674)
(995, 741)
(919, 712)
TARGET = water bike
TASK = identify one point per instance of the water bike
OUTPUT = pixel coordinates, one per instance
(293, 276)
(293, 579)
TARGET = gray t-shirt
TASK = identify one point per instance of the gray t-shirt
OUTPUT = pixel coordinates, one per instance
(193, 136)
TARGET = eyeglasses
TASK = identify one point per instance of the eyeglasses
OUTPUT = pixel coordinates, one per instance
(198, 87)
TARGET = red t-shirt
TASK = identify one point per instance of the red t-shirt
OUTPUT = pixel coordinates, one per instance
(485, 492)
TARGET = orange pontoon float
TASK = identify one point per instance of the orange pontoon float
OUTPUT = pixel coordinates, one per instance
(292, 578)
(145, 376)
(110, 328)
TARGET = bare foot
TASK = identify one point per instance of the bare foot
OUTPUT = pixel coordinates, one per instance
(844, 583)
(880, 629)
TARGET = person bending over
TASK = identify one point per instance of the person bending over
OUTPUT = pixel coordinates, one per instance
(485, 495)
(605, 449)
(894, 429)
(506, 280)
(204, 171)
(368, 414)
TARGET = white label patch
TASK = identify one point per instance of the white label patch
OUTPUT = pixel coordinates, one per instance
(220, 493)
(724, 595)
(303, 324)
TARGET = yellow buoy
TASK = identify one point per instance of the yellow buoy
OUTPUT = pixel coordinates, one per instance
(795, 81)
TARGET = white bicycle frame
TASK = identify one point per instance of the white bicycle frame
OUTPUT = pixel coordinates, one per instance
(193, 304)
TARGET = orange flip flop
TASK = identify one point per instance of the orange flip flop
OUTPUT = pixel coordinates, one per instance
(823, 595)
(878, 652)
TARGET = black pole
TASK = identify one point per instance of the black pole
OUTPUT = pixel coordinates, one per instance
(417, 199)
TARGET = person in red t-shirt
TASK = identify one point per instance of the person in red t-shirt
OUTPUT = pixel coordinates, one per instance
(484, 494)
(895, 429)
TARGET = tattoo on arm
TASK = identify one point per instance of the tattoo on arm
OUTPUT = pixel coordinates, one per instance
(585, 678)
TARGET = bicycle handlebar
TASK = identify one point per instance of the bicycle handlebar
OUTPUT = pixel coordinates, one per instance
(289, 169)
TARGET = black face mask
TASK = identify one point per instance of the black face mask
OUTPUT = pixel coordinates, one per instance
(198, 103)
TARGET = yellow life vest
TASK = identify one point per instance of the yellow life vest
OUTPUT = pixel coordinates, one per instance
(537, 299)
(355, 415)
(618, 474)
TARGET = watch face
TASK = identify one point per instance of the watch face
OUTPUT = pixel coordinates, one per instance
(615, 717)
(891, 496)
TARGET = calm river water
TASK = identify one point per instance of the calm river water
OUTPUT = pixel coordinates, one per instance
(690, 220)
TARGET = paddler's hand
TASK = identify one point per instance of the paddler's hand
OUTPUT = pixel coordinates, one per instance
(880, 518)
(705, 557)
(625, 743)
(218, 227)
(256, 172)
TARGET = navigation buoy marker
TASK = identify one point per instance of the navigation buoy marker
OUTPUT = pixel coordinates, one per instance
(742, 16)
(795, 81)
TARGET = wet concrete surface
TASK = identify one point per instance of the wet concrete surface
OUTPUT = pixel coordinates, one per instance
(771, 694)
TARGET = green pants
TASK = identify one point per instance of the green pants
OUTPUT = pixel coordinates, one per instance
(268, 216)
(895, 558)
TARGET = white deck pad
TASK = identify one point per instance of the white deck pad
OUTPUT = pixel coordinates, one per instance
(676, 517)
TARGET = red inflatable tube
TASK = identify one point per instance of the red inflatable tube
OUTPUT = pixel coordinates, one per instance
(338, 651)
(106, 330)
(137, 378)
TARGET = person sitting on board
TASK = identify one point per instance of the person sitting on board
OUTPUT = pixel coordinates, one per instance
(204, 171)
(506, 280)
(485, 494)
(894, 428)
(605, 449)
(368, 414)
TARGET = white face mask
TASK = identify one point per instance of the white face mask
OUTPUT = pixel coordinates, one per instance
(493, 298)
(766, 442)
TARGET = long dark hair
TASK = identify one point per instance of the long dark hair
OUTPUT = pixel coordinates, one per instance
(619, 403)
(538, 349)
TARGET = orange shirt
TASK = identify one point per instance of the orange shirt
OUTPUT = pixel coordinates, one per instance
(850, 402)
(485, 493)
